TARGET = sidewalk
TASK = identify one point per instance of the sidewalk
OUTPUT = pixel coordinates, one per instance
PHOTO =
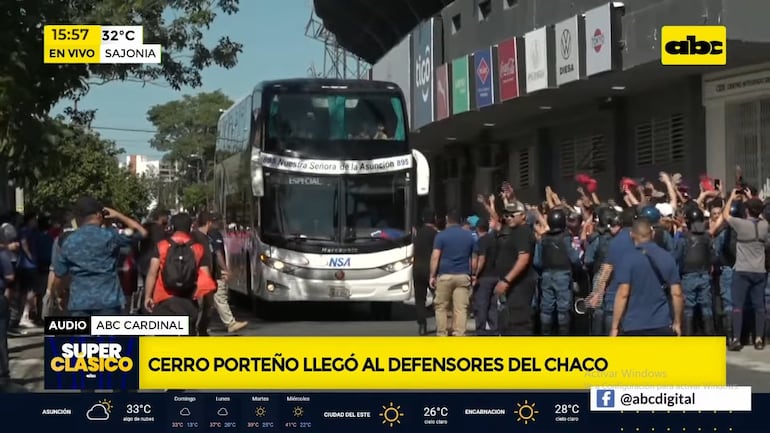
(26, 362)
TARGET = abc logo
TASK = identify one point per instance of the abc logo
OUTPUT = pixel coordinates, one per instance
(423, 70)
(694, 45)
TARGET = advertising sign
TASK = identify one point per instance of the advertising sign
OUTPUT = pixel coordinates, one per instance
(422, 84)
(461, 98)
(567, 51)
(537, 60)
(599, 39)
(508, 64)
(442, 92)
(483, 70)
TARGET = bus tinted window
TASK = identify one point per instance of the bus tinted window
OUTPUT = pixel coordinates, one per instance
(337, 117)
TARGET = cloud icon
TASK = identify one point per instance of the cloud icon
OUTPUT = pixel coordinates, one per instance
(98, 412)
(185, 411)
(223, 412)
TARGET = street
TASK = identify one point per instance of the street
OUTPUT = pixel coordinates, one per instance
(748, 367)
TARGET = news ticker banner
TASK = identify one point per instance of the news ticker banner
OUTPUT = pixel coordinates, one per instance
(104, 356)
(85, 44)
(334, 412)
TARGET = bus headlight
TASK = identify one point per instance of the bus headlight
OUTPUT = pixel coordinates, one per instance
(275, 264)
(397, 266)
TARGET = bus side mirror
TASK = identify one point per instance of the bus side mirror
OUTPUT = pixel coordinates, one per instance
(257, 178)
(423, 172)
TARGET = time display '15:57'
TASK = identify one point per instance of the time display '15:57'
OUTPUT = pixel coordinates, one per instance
(74, 34)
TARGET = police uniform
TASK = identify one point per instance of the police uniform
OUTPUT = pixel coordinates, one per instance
(555, 256)
(595, 257)
(694, 257)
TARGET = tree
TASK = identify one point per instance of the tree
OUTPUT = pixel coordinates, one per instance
(82, 163)
(29, 88)
(195, 197)
(187, 128)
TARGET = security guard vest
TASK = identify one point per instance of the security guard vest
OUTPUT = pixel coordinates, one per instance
(729, 246)
(555, 256)
(697, 253)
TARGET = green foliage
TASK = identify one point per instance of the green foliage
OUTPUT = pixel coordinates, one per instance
(84, 164)
(188, 126)
(195, 197)
(29, 88)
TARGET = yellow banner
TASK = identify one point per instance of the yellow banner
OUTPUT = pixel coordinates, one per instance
(406, 363)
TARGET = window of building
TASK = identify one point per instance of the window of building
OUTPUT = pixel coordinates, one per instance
(510, 4)
(484, 9)
(586, 154)
(660, 140)
(457, 23)
(525, 169)
(748, 139)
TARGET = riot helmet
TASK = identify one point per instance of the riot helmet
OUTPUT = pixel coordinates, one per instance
(651, 214)
(557, 219)
(694, 215)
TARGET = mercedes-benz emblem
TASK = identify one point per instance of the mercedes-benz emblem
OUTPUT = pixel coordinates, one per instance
(566, 44)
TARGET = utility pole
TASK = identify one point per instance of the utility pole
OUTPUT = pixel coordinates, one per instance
(337, 62)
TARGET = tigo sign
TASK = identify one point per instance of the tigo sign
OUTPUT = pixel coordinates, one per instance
(694, 45)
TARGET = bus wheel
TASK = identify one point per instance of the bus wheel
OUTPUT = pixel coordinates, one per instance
(382, 311)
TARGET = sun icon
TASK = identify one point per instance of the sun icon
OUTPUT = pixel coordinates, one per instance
(107, 405)
(526, 412)
(261, 411)
(391, 414)
(298, 412)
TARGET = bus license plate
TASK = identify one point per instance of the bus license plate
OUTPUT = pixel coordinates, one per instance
(339, 292)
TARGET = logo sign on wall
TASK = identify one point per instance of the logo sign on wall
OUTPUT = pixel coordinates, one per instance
(599, 39)
(461, 98)
(422, 86)
(442, 92)
(537, 59)
(483, 70)
(508, 75)
(567, 51)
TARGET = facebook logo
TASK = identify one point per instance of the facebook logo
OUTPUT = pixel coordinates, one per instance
(605, 398)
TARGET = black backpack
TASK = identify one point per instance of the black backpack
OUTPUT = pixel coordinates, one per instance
(180, 272)
(659, 237)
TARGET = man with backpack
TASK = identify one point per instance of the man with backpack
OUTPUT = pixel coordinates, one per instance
(178, 276)
(694, 254)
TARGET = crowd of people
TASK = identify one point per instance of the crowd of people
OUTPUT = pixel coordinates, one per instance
(77, 268)
(661, 262)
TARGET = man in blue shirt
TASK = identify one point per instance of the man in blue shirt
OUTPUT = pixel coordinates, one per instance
(642, 306)
(606, 283)
(452, 264)
(91, 255)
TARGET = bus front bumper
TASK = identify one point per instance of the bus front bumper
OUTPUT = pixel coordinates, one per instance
(282, 287)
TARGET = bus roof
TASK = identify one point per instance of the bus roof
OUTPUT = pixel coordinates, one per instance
(312, 84)
(235, 104)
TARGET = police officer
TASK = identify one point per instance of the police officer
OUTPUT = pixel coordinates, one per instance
(555, 256)
(607, 226)
(725, 246)
(661, 236)
(694, 254)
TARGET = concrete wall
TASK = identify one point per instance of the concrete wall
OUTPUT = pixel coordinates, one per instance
(396, 67)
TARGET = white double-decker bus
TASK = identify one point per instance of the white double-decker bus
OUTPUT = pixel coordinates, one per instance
(317, 184)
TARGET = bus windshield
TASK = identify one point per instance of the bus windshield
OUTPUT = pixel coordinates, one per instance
(343, 116)
(376, 207)
(302, 206)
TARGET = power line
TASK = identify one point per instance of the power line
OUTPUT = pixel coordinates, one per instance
(107, 128)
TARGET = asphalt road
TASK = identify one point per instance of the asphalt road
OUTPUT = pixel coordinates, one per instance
(748, 367)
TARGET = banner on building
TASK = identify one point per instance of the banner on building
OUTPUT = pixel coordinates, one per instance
(508, 67)
(442, 92)
(538, 64)
(422, 80)
(568, 36)
(461, 98)
(483, 69)
(599, 37)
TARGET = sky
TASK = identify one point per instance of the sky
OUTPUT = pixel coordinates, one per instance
(274, 46)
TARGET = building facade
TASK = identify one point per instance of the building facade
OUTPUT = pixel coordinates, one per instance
(538, 92)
